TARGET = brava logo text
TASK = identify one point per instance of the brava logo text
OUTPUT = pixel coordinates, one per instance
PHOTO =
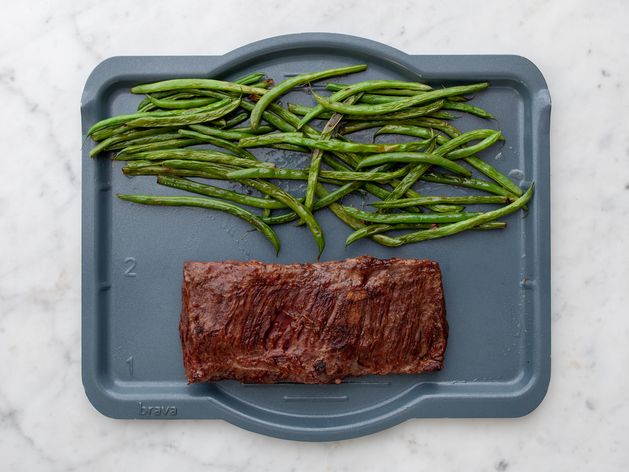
(162, 410)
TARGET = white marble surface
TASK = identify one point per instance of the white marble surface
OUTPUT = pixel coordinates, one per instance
(47, 50)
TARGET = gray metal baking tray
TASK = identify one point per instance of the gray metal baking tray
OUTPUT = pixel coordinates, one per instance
(497, 283)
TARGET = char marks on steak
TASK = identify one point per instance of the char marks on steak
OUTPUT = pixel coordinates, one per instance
(311, 323)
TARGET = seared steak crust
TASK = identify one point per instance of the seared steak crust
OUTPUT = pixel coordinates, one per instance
(311, 323)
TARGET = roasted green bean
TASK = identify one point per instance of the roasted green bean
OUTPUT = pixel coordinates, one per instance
(231, 134)
(361, 87)
(159, 145)
(418, 86)
(394, 218)
(211, 112)
(236, 116)
(203, 155)
(323, 202)
(218, 192)
(413, 158)
(406, 114)
(129, 134)
(390, 107)
(329, 145)
(469, 223)
(423, 201)
(236, 119)
(302, 174)
(283, 87)
(317, 154)
(117, 120)
(223, 143)
(200, 84)
(371, 230)
(211, 204)
(467, 182)
(180, 104)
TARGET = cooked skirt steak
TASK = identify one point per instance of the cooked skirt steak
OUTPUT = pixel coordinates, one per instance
(311, 323)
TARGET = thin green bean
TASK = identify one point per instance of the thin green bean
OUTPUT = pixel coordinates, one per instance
(125, 136)
(341, 213)
(382, 193)
(434, 123)
(413, 112)
(203, 155)
(145, 104)
(220, 171)
(391, 107)
(302, 174)
(358, 125)
(158, 146)
(474, 161)
(423, 201)
(470, 223)
(413, 158)
(415, 131)
(180, 104)
(317, 154)
(467, 182)
(290, 147)
(371, 230)
(467, 108)
(358, 88)
(283, 87)
(446, 150)
(489, 170)
(330, 145)
(373, 99)
(271, 118)
(236, 119)
(201, 84)
(394, 218)
(212, 204)
(291, 202)
(117, 120)
(470, 150)
(266, 212)
(148, 104)
(231, 134)
(211, 112)
(335, 87)
(218, 192)
(142, 163)
(265, 84)
(109, 132)
(258, 131)
(323, 202)
(214, 173)
(155, 138)
(223, 143)
(309, 131)
(235, 163)
(250, 78)
(441, 114)
(406, 114)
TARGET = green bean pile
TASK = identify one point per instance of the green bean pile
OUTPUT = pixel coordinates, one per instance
(176, 116)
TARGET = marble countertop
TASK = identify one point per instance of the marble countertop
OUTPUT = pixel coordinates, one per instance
(47, 50)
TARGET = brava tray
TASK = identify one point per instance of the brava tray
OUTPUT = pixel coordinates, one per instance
(497, 283)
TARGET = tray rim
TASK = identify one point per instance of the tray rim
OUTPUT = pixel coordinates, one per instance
(526, 398)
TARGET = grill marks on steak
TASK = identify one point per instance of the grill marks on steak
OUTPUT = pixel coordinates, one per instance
(311, 323)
